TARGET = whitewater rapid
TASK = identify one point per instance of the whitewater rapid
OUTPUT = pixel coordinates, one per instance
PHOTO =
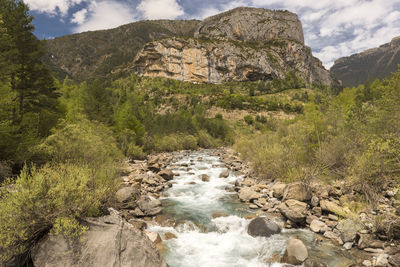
(203, 239)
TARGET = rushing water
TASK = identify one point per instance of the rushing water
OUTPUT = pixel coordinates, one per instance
(203, 240)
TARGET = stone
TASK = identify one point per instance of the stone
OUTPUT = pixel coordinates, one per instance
(317, 211)
(253, 206)
(154, 237)
(332, 207)
(295, 211)
(367, 263)
(394, 260)
(374, 250)
(224, 174)
(126, 197)
(136, 212)
(333, 217)
(278, 189)
(138, 224)
(263, 227)
(247, 194)
(335, 237)
(382, 260)
(275, 258)
(165, 221)
(312, 263)
(310, 218)
(314, 201)
(368, 241)
(348, 245)
(167, 174)
(316, 226)
(204, 177)
(169, 236)
(296, 252)
(348, 229)
(149, 205)
(110, 241)
(298, 191)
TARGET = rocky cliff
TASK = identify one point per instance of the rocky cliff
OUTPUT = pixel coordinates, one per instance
(216, 61)
(367, 66)
(252, 24)
(102, 53)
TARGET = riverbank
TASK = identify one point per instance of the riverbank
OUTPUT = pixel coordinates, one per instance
(198, 205)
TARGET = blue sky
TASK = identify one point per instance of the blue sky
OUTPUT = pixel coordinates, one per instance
(332, 28)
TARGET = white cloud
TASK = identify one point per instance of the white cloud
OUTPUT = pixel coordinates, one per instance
(53, 7)
(79, 17)
(106, 15)
(160, 9)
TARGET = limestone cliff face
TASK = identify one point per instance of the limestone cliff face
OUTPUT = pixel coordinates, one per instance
(252, 24)
(367, 66)
(216, 61)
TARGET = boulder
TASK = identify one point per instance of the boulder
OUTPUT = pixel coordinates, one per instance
(224, 174)
(126, 197)
(314, 201)
(204, 177)
(394, 260)
(368, 241)
(296, 252)
(262, 227)
(278, 189)
(312, 263)
(247, 194)
(332, 207)
(169, 236)
(348, 230)
(110, 241)
(154, 237)
(316, 226)
(298, 191)
(333, 236)
(149, 205)
(167, 174)
(295, 211)
(382, 260)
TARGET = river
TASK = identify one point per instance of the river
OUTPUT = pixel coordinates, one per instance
(211, 224)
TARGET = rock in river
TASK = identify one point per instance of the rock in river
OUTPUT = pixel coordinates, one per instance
(296, 252)
(263, 227)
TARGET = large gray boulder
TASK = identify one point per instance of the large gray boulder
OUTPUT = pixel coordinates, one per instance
(294, 210)
(127, 196)
(149, 205)
(262, 227)
(109, 242)
(248, 194)
(296, 252)
(166, 174)
(299, 191)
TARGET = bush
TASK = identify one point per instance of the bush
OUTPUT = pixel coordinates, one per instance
(205, 140)
(55, 195)
(80, 142)
(135, 152)
(249, 119)
(169, 143)
(218, 116)
(189, 142)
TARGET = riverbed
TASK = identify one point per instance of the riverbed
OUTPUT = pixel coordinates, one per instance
(211, 223)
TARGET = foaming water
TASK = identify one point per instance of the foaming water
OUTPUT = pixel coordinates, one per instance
(202, 239)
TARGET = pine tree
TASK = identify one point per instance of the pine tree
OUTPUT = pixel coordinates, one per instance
(26, 73)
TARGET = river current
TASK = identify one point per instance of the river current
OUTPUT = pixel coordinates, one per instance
(211, 226)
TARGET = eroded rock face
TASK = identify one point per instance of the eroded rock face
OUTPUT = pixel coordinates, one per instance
(217, 61)
(252, 24)
(110, 241)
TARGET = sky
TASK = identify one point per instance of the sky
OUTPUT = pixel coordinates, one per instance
(332, 28)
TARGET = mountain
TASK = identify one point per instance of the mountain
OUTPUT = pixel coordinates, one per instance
(238, 45)
(367, 66)
(99, 53)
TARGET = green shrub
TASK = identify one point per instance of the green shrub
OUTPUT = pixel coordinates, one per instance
(218, 116)
(189, 142)
(55, 195)
(80, 142)
(205, 140)
(249, 119)
(169, 143)
(135, 152)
